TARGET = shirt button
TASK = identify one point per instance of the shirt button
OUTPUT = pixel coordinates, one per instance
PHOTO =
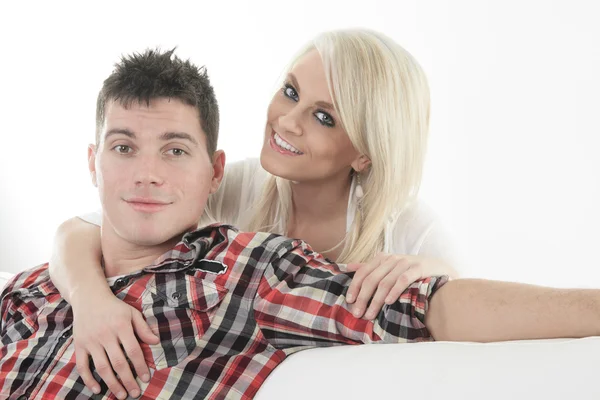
(307, 252)
(65, 335)
(176, 296)
(22, 397)
(121, 282)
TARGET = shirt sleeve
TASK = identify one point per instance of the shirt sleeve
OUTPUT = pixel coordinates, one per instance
(301, 302)
(20, 282)
(5, 303)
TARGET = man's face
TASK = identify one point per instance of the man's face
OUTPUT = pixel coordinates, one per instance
(153, 171)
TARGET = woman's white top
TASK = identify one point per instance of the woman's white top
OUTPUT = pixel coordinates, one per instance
(416, 232)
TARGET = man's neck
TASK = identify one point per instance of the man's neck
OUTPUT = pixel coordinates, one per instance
(122, 257)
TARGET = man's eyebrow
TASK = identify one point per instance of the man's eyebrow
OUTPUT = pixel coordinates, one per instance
(121, 131)
(178, 135)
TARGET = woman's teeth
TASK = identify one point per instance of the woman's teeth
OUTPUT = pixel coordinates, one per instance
(285, 145)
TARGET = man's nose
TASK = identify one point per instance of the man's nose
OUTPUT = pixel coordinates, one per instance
(149, 171)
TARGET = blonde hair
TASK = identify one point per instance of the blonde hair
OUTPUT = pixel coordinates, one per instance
(382, 98)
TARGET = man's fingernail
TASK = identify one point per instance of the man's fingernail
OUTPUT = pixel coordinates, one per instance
(350, 297)
(121, 395)
(389, 300)
(135, 393)
(96, 390)
(357, 312)
(145, 377)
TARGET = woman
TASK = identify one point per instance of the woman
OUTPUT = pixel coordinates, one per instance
(343, 151)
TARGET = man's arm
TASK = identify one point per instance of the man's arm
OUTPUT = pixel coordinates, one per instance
(301, 302)
(491, 311)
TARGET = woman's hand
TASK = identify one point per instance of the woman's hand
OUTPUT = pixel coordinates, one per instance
(386, 277)
(102, 324)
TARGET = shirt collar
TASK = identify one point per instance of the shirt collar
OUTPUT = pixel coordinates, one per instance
(193, 246)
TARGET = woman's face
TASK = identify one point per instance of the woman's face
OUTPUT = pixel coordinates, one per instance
(304, 138)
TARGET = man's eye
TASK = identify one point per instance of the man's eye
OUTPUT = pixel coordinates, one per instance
(325, 119)
(122, 149)
(177, 152)
(289, 91)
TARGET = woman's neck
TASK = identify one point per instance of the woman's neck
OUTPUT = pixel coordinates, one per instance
(320, 200)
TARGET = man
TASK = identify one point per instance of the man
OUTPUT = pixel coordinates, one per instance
(228, 307)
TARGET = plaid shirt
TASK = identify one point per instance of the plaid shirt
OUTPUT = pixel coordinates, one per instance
(228, 308)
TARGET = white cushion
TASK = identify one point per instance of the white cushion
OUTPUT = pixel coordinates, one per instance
(531, 370)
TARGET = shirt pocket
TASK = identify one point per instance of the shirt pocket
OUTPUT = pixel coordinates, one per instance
(25, 310)
(179, 308)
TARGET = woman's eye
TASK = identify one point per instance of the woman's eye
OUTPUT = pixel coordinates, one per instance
(122, 149)
(324, 118)
(177, 152)
(290, 92)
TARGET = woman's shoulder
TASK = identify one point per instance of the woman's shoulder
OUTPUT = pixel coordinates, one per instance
(414, 229)
(245, 174)
(420, 231)
(417, 215)
(247, 167)
(241, 185)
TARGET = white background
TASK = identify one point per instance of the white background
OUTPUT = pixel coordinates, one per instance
(512, 168)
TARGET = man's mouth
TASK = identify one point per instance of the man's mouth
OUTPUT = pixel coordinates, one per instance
(147, 205)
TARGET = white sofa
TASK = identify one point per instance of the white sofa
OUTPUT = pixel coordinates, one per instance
(532, 370)
(538, 369)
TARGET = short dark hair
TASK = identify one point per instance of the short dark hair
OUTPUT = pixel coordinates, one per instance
(142, 77)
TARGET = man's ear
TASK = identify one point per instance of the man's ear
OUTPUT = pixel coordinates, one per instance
(218, 170)
(360, 163)
(92, 163)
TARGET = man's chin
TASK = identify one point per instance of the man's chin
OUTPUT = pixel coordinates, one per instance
(153, 231)
(158, 238)
(149, 236)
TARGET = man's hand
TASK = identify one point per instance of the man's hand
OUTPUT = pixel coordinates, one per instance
(385, 278)
(102, 324)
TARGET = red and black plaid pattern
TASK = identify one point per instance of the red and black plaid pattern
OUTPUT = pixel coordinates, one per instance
(228, 307)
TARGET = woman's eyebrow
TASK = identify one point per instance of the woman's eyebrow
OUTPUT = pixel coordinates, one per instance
(292, 77)
(322, 104)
